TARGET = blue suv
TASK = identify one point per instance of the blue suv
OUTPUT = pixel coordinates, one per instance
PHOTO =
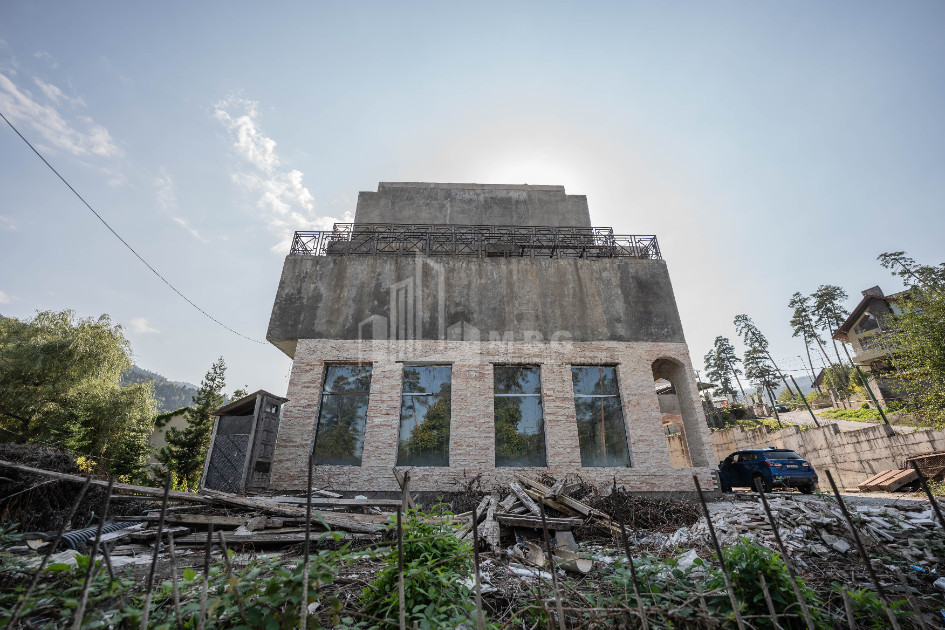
(775, 467)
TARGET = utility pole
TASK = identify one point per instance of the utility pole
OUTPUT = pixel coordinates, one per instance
(869, 391)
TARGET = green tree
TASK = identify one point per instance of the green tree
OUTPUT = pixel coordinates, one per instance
(919, 332)
(758, 343)
(912, 274)
(759, 370)
(186, 449)
(60, 385)
(802, 325)
(829, 313)
(720, 363)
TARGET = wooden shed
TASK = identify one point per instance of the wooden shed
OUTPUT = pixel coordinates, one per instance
(242, 444)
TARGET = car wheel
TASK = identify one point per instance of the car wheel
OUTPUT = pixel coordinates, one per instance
(764, 482)
(808, 489)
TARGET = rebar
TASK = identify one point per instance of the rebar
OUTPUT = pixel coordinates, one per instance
(551, 565)
(230, 576)
(718, 551)
(480, 621)
(784, 555)
(928, 493)
(633, 569)
(866, 559)
(84, 598)
(401, 599)
(146, 611)
(175, 593)
(205, 584)
(303, 614)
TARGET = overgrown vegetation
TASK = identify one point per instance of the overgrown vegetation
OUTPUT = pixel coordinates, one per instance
(60, 385)
(436, 566)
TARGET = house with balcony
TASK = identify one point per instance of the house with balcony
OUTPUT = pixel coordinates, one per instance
(867, 330)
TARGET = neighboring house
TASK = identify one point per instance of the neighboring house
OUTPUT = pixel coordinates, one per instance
(162, 423)
(476, 329)
(867, 331)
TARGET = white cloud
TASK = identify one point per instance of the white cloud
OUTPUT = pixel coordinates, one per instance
(286, 204)
(7, 223)
(142, 326)
(45, 56)
(20, 106)
(186, 225)
(165, 191)
(4, 298)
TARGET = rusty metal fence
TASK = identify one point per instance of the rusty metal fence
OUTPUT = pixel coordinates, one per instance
(481, 241)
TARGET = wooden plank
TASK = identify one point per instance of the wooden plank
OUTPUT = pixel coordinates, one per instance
(328, 502)
(334, 521)
(551, 502)
(151, 534)
(874, 481)
(524, 498)
(121, 534)
(535, 523)
(118, 488)
(326, 493)
(256, 538)
(901, 478)
(190, 519)
(574, 504)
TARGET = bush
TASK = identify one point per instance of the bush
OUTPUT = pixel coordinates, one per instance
(865, 405)
(436, 563)
(739, 411)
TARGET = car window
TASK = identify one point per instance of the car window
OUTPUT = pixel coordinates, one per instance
(746, 457)
(782, 454)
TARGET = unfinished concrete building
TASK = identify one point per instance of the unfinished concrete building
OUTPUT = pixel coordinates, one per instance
(468, 329)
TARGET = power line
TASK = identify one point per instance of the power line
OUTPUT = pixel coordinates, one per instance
(123, 241)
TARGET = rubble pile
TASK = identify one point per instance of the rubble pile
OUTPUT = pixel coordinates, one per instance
(813, 529)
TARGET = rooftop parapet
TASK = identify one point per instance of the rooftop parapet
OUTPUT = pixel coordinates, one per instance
(482, 241)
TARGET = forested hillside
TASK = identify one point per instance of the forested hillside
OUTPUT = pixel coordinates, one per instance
(169, 395)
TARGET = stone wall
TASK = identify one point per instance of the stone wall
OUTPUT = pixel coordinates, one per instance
(852, 456)
(472, 438)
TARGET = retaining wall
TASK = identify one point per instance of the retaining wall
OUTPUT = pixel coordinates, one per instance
(852, 456)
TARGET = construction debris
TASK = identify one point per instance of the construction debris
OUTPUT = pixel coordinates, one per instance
(889, 480)
(814, 530)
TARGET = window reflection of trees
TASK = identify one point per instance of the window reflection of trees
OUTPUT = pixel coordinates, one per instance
(339, 436)
(519, 421)
(602, 433)
(425, 416)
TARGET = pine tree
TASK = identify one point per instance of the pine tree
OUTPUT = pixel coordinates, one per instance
(829, 313)
(186, 449)
(721, 364)
(802, 323)
(758, 344)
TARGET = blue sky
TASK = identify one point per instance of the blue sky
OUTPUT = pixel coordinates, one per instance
(771, 147)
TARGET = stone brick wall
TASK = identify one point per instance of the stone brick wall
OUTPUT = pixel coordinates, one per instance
(472, 441)
(852, 456)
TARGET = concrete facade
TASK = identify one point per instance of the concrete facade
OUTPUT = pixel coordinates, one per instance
(472, 204)
(475, 313)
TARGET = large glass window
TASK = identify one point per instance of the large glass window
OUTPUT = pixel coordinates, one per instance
(601, 431)
(425, 416)
(339, 437)
(519, 421)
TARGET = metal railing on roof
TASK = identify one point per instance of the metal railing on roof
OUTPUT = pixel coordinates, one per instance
(481, 241)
